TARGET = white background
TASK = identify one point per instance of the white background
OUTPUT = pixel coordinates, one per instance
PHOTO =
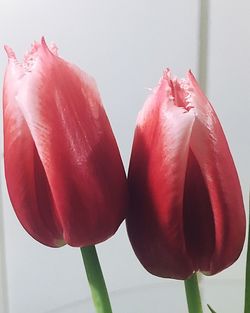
(126, 45)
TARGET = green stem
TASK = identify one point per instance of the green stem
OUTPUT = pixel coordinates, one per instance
(247, 278)
(193, 295)
(96, 280)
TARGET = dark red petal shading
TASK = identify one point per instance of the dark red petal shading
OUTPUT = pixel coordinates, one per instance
(198, 217)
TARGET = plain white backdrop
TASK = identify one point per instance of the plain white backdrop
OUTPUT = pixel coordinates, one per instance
(126, 45)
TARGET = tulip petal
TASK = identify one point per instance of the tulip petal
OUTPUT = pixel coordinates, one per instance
(156, 182)
(26, 180)
(211, 150)
(197, 210)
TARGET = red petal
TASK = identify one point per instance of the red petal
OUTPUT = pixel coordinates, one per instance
(156, 181)
(26, 180)
(211, 151)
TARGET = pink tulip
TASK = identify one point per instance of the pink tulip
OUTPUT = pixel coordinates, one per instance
(186, 211)
(63, 169)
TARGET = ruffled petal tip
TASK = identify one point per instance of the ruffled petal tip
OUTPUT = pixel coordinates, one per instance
(10, 53)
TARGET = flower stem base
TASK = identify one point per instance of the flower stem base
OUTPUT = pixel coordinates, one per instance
(96, 280)
(193, 295)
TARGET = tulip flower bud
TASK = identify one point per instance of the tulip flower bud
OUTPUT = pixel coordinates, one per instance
(63, 169)
(186, 211)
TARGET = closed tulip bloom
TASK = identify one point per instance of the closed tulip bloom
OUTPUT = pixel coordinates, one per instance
(63, 169)
(186, 212)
